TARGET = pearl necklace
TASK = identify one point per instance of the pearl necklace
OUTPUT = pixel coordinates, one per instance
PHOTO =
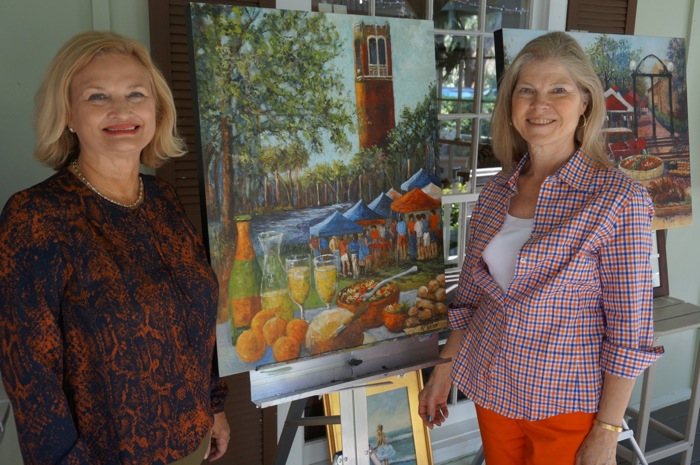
(85, 181)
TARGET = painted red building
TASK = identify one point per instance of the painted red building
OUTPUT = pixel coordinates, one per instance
(374, 85)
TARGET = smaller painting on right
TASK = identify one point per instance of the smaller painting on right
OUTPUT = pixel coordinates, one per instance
(647, 111)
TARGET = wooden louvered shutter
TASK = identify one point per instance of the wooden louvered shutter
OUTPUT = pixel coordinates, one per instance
(253, 430)
(609, 16)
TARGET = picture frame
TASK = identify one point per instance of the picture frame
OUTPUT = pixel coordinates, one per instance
(393, 404)
(646, 108)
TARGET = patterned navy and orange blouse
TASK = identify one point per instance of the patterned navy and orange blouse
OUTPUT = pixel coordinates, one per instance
(107, 326)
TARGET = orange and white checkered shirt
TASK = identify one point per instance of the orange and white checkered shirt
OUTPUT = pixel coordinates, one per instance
(579, 305)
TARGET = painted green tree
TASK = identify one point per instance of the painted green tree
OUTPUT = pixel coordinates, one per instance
(285, 160)
(611, 59)
(413, 143)
(367, 167)
(264, 80)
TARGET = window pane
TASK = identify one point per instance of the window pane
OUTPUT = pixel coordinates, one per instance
(507, 13)
(459, 129)
(486, 162)
(455, 149)
(461, 15)
(485, 139)
(489, 81)
(455, 162)
(456, 64)
(394, 9)
(354, 7)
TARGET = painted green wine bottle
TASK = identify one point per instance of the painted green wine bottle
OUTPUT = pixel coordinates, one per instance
(244, 282)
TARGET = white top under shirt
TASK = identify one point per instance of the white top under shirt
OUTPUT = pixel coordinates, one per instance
(501, 254)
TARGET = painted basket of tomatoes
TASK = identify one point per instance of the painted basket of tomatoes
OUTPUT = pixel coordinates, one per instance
(395, 316)
(370, 310)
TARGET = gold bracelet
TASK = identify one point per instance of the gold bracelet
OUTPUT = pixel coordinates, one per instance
(608, 426)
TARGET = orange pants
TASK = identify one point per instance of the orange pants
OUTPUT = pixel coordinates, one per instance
(551, 441)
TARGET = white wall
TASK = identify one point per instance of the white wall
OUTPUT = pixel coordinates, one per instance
(31, 31)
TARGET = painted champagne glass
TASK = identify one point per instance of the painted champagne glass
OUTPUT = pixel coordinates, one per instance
(326, 277)
(299, 279)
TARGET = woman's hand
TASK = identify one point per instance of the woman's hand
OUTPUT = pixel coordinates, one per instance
(599, 448)
(432, 400)
(220, 436)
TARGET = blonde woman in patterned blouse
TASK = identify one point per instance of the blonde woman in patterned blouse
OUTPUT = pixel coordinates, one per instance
(107, 301)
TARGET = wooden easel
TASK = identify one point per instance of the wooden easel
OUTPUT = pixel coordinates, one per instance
(346, 373)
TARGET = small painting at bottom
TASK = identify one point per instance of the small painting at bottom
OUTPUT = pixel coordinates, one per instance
(397, 435)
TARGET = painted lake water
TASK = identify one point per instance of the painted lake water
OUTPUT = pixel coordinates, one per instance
(294, 224)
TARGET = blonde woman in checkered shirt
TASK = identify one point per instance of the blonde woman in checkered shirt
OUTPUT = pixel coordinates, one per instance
(552, 318)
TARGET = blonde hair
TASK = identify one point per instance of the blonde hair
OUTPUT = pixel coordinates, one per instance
(508, 144)
(55, 145)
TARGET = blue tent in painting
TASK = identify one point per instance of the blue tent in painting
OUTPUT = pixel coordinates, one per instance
(421, 179)
(361, 214)
(335, 225)
(382, 205)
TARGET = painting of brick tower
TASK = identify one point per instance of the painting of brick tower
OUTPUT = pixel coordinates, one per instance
(374, 86)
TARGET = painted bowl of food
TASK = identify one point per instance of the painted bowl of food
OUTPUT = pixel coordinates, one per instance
(395, 316)
(371, 309)
(642, 167)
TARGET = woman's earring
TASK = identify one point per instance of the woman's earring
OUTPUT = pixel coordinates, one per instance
(585, 122)
(71, 130)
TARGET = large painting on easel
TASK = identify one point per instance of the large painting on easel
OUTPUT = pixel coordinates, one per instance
(317, 140)
(647, 111)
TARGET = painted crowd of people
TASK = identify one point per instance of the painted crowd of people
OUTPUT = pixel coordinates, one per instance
(413, 236)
